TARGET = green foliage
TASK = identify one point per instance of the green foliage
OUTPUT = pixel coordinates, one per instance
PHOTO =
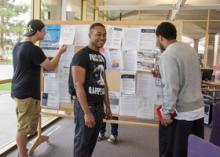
(11, 26)
(5, 87)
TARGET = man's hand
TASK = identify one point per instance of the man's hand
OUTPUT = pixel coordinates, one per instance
(108, 113)
(62, 49)
(166, 122)
(89, 120)
(155, 72)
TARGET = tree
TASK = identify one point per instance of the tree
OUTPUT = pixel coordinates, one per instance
(11, 26)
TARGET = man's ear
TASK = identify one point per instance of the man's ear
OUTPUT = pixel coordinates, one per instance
(90, 33)
(37, 33)
(160, 38)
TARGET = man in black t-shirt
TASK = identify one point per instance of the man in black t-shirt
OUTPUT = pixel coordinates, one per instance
(27, 61)
(88, 78)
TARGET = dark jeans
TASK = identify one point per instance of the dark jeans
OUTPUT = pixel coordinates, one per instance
(173, 139)
(114, 127)
(85, 138)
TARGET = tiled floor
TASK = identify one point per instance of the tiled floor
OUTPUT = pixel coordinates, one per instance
(134, 141)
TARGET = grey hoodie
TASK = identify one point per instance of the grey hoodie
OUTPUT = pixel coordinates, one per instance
(181, 79)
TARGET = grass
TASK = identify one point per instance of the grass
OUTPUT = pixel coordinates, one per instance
(9, 61)
(5, 87)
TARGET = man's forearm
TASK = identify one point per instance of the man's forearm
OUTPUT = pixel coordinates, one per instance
(171, 86)
(81, 95)
(55, 60)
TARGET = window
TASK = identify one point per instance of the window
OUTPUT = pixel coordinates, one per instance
(14, 14)
(53, 10)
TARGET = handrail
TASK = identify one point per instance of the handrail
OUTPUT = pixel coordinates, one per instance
(5, 81)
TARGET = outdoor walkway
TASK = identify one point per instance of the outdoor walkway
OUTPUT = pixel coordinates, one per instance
(6, 72)
(8, 120)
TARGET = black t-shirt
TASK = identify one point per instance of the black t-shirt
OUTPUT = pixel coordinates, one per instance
(27, 58)
(95, 64)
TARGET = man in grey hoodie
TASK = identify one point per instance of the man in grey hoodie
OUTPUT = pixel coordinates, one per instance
(181, 78)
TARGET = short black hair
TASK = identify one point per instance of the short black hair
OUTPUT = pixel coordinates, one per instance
(166, 30)
(96, 25)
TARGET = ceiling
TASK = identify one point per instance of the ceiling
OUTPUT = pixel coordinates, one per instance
(169, 10)
(188, 10)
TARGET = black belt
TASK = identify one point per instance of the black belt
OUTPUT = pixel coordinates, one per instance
(90, 104)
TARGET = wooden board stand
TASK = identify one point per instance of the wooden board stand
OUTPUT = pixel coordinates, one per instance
(39, 139)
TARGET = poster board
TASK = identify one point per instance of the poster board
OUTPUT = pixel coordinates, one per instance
(114, 76)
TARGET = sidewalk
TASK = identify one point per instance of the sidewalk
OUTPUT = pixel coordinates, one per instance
(8, 119)
(6, 72)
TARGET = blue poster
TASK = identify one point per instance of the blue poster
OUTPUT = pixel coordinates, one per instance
(52, 38)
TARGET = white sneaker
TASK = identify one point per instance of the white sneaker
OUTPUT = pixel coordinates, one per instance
(101, 137)
(112, 139)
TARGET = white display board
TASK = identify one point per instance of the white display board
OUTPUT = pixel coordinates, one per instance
(130, 51)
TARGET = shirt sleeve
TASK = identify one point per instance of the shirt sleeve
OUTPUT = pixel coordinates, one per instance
(170, 79)
(37, 56)
(81, 59)
(105, 66)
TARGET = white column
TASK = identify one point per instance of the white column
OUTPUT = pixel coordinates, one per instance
(96, 4)
(210, 51)
(216, 50)
(84, 10)
(36, 5)
(63, 10)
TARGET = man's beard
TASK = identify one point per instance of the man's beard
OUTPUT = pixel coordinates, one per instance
(161, 48)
